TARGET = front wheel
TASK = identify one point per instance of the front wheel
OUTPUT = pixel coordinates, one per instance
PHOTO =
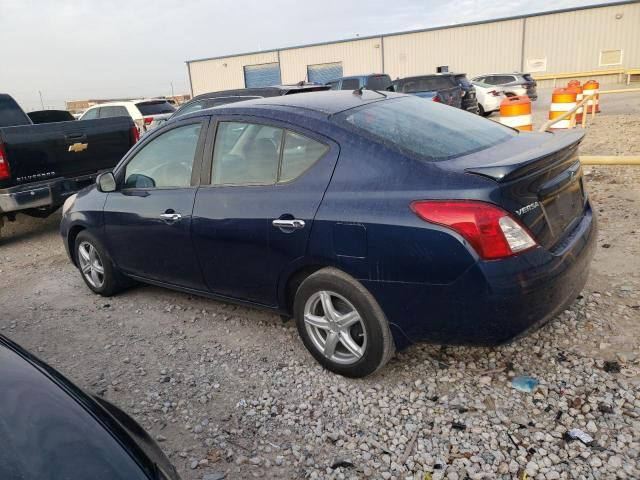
(95, 266)
(342, 325)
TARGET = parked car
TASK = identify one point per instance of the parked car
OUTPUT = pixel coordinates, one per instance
(50, 429)
(376, 220)
(146, 114)
(214, 99)
(438, 87)
(373, 81)
(513, 83)
(41, 165)
(50, 116)
(489, 98)
(469, 100)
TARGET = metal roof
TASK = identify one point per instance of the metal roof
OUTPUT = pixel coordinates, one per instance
(430, 29)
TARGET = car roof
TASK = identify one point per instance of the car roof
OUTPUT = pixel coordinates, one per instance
(427, 75)
(271, 91)
(124, 103)
(323, 103)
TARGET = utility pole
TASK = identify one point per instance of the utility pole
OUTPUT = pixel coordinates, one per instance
(41, 102)
(172, 94)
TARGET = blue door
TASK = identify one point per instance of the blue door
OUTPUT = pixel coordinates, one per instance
(253, 222)
(148, 219)
(264, 75)
(324, 73)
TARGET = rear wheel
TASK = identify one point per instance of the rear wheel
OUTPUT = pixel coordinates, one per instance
(96, 267)
(341, 324)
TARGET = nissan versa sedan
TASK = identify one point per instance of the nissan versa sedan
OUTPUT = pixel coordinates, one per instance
(374, 219)
(52, 430)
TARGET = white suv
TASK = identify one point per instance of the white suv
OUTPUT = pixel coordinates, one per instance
(146, 114)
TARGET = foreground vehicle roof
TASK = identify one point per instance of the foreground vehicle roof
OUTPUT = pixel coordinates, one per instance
(329, 102)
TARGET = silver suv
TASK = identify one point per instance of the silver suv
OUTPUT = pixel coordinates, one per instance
(513, 83)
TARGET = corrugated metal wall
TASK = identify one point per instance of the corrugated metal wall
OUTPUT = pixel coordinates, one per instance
(472, 49)
(357, 57)
(569, 41)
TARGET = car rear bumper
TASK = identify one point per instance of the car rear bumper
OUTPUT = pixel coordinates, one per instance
(43, 194)
(493, 301)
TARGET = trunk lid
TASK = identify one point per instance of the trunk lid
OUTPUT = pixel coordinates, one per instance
(540, 181)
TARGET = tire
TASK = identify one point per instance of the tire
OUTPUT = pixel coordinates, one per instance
(481, 111)
(360, 341)
(91, 254)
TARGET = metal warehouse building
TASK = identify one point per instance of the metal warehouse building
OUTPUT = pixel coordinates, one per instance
(601, 41)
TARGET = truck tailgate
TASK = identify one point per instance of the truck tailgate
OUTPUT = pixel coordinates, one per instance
(64, 149)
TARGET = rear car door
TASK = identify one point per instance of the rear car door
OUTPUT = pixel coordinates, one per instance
(148, 219)
(252, 223)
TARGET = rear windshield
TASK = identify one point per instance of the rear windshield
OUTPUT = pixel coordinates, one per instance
(426, 84)
(11, 114)
(425, 129)
(155, 108)
(379, 82)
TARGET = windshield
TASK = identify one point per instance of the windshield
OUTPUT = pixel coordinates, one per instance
(155, 108)
(425, 129)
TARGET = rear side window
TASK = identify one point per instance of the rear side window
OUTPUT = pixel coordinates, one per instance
(254, 154)
(90, 114)
(155, 108)
(11, 114)
(379, 82)
(299, 154)
(350, 84)
(423, 129)
(109, 112)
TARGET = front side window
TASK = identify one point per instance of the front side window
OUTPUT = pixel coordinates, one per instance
(166, 161)
(426, 130)
(254, 154)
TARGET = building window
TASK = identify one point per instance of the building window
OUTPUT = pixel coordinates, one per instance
(610, 57)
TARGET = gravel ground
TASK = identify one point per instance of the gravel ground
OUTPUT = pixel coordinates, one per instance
(230, 391)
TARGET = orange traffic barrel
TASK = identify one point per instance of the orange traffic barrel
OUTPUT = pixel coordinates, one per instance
(575, 85)
(515, 112)
(562, 100)
(589, 88)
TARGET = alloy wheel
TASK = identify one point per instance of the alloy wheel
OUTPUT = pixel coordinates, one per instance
(335, 327)
(91, 264)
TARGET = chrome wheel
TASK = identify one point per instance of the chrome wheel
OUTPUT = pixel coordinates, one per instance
(91, 264)
(335, 327)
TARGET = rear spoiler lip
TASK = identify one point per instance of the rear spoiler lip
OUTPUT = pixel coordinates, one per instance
(513, 167)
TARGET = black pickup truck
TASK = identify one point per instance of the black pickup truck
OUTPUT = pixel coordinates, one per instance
(41, 165)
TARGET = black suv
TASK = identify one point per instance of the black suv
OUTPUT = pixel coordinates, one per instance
(469, 100)
(214, 99)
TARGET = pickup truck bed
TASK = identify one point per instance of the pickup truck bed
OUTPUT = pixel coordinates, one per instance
(41, 165)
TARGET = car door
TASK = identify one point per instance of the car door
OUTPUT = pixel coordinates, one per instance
(253, 221)
(148, 219)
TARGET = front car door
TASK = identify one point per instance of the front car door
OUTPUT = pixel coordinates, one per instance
(148, 219)
(253, 222)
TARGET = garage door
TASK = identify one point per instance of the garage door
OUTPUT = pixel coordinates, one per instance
(325, 72)
(263, 75)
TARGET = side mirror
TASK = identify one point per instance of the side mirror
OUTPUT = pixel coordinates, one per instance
(106, 182)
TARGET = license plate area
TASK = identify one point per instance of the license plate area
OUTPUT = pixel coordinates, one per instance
(564, 207)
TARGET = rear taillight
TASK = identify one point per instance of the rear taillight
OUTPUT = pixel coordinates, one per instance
(437, 99)
(135, 135)
(148, 120)
(5, 171)
(495, 93)
(491, 231)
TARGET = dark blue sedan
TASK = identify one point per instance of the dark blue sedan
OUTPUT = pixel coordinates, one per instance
(374, 219)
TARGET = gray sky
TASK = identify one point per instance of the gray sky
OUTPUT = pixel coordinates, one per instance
(74, 49)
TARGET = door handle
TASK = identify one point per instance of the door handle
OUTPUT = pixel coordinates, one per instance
(172, 217)
(294, 224)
